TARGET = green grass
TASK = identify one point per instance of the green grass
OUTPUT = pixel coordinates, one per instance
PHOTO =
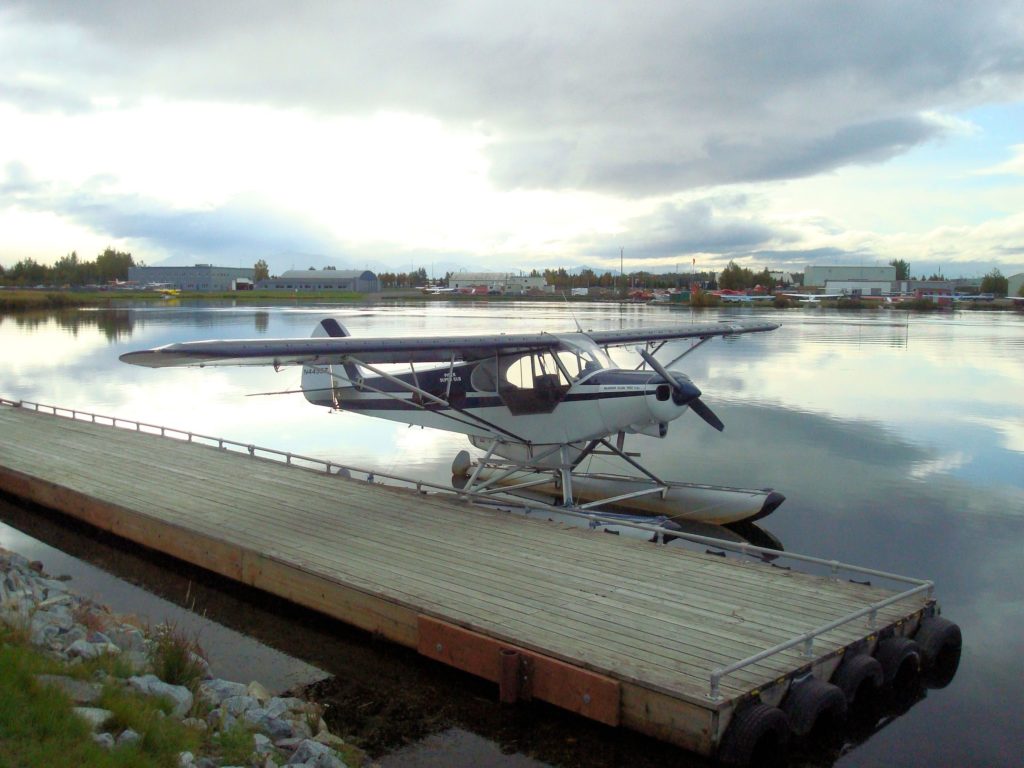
(38, 728)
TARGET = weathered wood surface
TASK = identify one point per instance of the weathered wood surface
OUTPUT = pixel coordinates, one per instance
(657, 618)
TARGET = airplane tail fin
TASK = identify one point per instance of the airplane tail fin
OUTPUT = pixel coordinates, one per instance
(319, 381)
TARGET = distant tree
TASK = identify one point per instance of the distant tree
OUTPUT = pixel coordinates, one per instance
(735, 278)
(764, 279)
(902, 269)
(995, 283)
(936, 276)
(113, 265)
(261, 270)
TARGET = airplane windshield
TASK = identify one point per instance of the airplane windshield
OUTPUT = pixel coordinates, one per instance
(581, 356)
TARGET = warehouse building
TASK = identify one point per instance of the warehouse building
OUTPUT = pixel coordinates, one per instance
(817, 277)
(200, 277)
(502, 282)
(360, 281)
(1014, 283)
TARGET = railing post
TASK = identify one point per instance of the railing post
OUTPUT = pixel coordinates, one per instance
(809, 646)
(715, 693)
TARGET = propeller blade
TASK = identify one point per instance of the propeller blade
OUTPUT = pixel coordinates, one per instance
(699, 407)
(683, 391)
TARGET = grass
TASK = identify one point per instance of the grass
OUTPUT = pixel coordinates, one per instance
(38, 728)
(174, 657)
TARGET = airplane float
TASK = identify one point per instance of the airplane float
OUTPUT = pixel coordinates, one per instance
(536, 404)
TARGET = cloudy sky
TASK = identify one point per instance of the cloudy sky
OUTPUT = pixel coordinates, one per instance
(473, 134)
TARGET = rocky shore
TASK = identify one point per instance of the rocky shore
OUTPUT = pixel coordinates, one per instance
(284, 730)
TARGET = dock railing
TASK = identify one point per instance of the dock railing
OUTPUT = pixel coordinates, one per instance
(659, 533)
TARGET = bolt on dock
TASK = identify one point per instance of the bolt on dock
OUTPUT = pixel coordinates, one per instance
(719, 655)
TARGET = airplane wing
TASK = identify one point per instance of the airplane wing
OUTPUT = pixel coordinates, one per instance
(337, 350)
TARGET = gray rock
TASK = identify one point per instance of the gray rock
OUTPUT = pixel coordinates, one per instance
(73, 634)
(95, 716)
(128, 736)
(279, 705)
(239, 705)
(186, 760)
(261, 744)
(85, 650)
(79, 691)
(314, 753)
(151, 685)
(105, 740)
(128, 638)
(195, 723)
(275, 727)
(215, 691)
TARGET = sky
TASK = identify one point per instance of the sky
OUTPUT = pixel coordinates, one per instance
(479, 135)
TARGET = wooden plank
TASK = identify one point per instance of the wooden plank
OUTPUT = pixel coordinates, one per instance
(564, 685)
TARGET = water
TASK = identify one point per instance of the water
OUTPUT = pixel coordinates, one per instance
(899, 443)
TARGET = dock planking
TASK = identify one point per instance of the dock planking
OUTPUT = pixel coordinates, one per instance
(613, 628)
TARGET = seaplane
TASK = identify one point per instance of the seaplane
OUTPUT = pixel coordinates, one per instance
(536, 404)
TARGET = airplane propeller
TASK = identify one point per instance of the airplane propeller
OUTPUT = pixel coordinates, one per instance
(684, 392)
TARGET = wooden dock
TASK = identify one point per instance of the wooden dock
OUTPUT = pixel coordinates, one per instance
(622, 631)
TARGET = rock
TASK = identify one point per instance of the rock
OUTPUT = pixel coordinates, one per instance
(95, 716)
(195, 723)
(127, 736)
(261, 744)
(311, 752)
(186, 760)
(279, 706)
(289, 745)
(329, 739)
(85, 650)
(258, 692)
(151, 685)
(215, 691)
(238, 705)
(128, 638)
(79, 691)
(105, 740)
(69, 637)
(275, 727)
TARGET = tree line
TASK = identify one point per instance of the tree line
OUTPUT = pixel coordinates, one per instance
(107, 267)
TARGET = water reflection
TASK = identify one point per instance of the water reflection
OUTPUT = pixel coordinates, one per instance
(898, 442)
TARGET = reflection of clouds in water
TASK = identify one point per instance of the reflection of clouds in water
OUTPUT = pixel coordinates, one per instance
(941, 465)
(1009, 430)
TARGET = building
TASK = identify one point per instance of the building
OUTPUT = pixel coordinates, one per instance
(200, 277)
(359, 281)
(816, 277)
(926, 287)
(1014, 284)
(858, 287)
(502, 282)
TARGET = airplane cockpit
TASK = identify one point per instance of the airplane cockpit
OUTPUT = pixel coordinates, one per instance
(536, 381)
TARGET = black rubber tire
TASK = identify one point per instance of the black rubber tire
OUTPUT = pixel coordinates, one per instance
(757, 732)
(899, 657)
(856, 671)
(810, 703)
(941, 642)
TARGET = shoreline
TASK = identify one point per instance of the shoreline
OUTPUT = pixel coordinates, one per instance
(14, 301)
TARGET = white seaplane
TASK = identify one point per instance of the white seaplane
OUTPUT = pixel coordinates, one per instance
(536, 404)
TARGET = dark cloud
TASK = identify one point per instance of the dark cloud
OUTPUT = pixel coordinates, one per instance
(638, 98)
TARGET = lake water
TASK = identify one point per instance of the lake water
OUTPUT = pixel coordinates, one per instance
(898, 442)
